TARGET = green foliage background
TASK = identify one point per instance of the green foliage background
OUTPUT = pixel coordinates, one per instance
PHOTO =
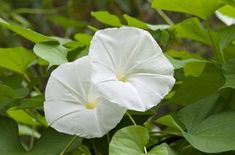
(196, 118)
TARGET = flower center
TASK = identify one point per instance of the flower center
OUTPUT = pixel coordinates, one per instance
(121, 77)
(91, 105)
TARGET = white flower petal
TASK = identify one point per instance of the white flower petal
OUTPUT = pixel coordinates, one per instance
(68, 90)
(122, 60)
(225, 19)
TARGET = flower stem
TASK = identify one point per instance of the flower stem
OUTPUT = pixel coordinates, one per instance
(108, 138)
(145, 150)
(94, 147)
(131, 118)
(134, 123)
(68, 145)
(32, 137)
(165, 17)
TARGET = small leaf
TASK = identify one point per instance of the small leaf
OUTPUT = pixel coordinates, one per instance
(25, 32)
(201, 8)
(23, 117)
(6, 92)
(169, 121)
(162, 149)
(30, 103)
(83, 38)
(192, 63)
(16, 59)
(131, 140)
(192, 29)
(55, 54)
(181, 63)
(107, 18)
(131, 21)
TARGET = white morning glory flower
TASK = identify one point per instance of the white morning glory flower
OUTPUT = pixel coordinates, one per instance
(73, 106)
(129, 68)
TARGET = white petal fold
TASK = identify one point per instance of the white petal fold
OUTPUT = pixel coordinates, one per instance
(129, 68)
(68, 91)
(225, 19)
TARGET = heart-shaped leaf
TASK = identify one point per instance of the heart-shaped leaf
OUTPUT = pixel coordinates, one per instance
(132, 140)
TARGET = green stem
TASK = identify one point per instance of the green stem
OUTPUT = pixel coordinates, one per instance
(32, 137)
(131, 118)
(218, 50)
(108, 138)
(165, 17)
(68, 145)
(29, 112)
(134, 123)
(35, 88)
(34, 117)
(94, 147)
(145, 150)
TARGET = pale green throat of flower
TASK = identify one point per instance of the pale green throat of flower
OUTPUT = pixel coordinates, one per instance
(121, 77)
(91, 105)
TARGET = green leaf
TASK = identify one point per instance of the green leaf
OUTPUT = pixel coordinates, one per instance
(215, 134)
(182, 63)
(169, 121)
(107, 18)
(131, 21)
(201, 8)
(227, 36)
(192, 29)
(9, 142)
(25, 32)
(195, 113)
(229, 74)
(55, 54)
(195, 88)
(30, 103)
(53, 142)
(131, 140)
(21, 92)
(23, 117)
(10, 96)
(192, 63)
(16, 59)
(189, 150)
(83, 38)
(50, 143)
(6, 92)
(207, 130)
(162, 149)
